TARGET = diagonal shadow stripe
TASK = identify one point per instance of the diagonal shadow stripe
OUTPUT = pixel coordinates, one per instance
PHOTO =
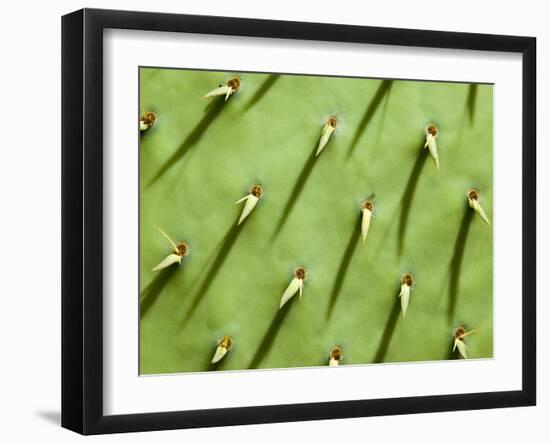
(389, 330)
(270, 336)
(262, 90)
(213, 110)
(455, 265)
(296, 191)
(471, 101)
(343, 268)
(150, 293)
(383, 90)
(210, 276)
(408, 196)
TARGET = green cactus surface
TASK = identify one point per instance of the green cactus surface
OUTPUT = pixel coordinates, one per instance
(199, 156)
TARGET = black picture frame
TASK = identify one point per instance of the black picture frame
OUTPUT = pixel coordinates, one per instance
(82, 220)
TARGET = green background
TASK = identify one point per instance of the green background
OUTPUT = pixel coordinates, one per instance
(204, 155)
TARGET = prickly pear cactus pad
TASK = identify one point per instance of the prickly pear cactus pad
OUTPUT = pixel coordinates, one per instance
(362, 233)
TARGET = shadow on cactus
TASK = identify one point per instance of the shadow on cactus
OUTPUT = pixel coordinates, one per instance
(389, 330)
(455, 265)
(340, 275)
(270, 336)
(452, 354)
(212, 272)
(262, 90)
(211, 113)
(296, 192)
(383, 91)
(150, 294)
(471, 101)
(295, 152)
(408, 196)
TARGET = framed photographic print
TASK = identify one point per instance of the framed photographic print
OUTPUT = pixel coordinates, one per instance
(270, 221)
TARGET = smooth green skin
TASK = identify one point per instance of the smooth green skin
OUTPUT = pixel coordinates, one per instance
(269, 143)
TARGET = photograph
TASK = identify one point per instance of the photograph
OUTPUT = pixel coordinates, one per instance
(275, 222)
(292, 221)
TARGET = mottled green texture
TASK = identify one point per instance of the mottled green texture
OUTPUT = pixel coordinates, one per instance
(201, 157)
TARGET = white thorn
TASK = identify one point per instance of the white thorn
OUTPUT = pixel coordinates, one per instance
(468, 333)
(169, 260)
(477, 207)
(250, 204)
(220, 90)
(142, 125)
(325, 136)
(167, 237)
(335, 355)
(462, 348)
(432, 147)
(459, 343)
(404, 294)
(365, 223)
(229, 92)
(220, 353)
(291, 290)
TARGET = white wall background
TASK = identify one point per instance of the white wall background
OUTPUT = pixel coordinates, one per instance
(30, 218)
